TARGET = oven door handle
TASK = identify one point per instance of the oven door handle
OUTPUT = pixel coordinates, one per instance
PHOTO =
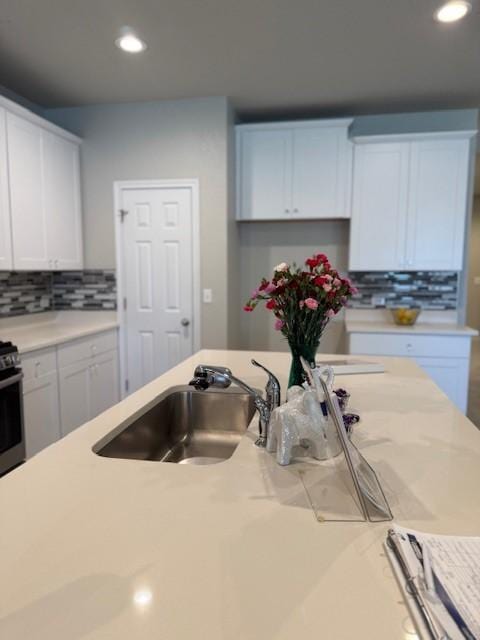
(12, 380)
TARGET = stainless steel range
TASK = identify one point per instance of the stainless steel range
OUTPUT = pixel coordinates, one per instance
(12, 439)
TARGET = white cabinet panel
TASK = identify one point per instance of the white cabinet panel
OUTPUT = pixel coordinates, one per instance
(6, 260)
(446, 359)
(379, 207)
(41, 412)
(104, 383)
(409, 203)
(294, 170)
(88, 385)
(62, 202)
(438, 204)
(265, 174)
(87, 347)
(25, 165)
(451, 375)
(322, 164)
(75, 395)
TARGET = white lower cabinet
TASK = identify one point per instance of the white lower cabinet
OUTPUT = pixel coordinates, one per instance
(451, 375)
(445, 358)
(41, 412)
(88, 371)
(104, 380)
(75, 390)
(64, 387)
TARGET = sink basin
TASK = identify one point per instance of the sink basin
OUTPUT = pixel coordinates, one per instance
(185, 426)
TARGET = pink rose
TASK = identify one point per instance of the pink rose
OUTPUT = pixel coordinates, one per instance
(328, 277)
(330, 313)
(279, 324)
(327, 287)
(337, 283)
(311, 304)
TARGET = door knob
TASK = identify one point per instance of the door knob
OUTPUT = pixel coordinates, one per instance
(184, 322)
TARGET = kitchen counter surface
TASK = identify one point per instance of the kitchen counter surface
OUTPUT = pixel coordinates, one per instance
(420, 328)
(38, 331)
(106, 549)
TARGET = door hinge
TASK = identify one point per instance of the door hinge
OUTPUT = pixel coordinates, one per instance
(127, 385)
(124, 304)
(123, 213)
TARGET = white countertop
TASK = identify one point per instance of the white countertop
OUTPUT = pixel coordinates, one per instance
(420, 328)
(229, 551)
(38, 331)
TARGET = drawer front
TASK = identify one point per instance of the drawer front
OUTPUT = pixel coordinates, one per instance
(387, 344)
(86, 348)
(38, 363)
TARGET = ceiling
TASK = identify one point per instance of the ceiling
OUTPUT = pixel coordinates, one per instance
(282, 56)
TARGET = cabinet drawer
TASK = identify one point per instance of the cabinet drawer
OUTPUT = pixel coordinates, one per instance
(387, 344)
(38, 363)
(87, 347)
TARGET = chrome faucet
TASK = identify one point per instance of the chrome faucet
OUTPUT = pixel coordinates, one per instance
(206, 376)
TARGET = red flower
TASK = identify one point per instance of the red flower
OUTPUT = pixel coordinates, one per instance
(312, 262)
(321, 257)
(270, 304)
(319, 281)
(248, 307)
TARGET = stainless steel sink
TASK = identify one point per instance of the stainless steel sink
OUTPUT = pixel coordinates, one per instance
(185, 426)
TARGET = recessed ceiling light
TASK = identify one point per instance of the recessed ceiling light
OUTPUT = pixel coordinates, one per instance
(453, 11)
(130, 42)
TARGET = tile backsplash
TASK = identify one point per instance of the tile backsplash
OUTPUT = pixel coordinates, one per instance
(23, 292)
(436, 290)
(93, 289)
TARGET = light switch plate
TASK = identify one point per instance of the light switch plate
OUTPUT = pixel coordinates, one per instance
(207, 296)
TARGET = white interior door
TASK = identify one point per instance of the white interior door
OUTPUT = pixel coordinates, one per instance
(157, 274)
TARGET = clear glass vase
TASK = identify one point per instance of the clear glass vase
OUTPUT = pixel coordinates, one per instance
(307, 351)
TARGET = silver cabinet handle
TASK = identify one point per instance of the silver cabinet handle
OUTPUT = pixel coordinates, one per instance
(295, 211)
(287, 210)
(184, 322)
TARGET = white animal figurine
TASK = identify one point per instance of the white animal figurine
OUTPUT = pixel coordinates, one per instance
(298, 428)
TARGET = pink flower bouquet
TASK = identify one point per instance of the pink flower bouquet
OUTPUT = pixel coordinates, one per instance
(303, 300)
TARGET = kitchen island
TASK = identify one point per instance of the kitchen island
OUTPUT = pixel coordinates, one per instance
(111, 549)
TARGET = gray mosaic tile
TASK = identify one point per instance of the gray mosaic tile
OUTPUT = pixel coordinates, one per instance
(425, 289)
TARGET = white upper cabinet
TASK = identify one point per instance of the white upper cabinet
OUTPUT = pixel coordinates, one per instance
(62, 201)
(296, 170)
(379, 207)
(438, 204)
(27, 201)
(6, 262)
(409, 202)
(264, 166)
(43, 185)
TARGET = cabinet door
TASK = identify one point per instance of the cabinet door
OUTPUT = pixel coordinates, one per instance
(27, 202)
(264, 174)
(75, 395)
(322, 163)
(41, 412)
(451, 375)
(104, 391)
(62, 201)
(379, 207)
(438, 204)
(6, 262)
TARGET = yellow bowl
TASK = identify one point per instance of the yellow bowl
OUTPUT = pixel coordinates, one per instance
(404, 316)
